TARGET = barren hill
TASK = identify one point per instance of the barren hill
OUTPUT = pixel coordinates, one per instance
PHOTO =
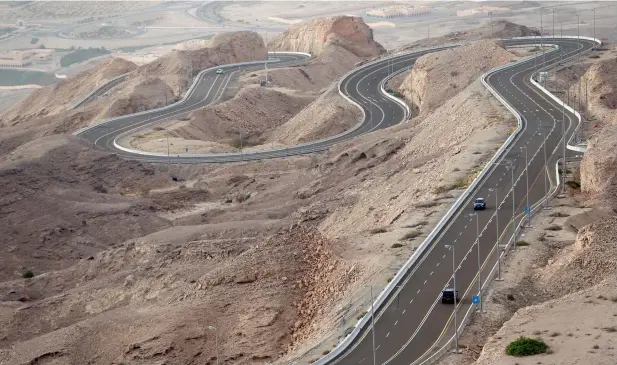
(440, 75)
(57, 98)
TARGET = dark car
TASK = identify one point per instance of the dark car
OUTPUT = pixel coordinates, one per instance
(479, 204)
(447, 296)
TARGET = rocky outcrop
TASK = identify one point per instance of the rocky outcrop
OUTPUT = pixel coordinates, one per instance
(224, 48)
(437, 77)
(253, 112)
(350, 33)
(599, 165)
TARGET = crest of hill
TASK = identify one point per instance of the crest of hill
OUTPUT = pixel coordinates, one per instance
(350, 33)
(57, 98)
(499, 29)
(439, 76)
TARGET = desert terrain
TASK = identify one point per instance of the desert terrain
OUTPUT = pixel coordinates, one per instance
(111, 261)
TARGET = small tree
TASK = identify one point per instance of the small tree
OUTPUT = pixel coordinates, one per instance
(524, 346)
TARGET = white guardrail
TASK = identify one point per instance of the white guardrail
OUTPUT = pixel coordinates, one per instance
(341, 82)
(186, 95)
(77, 103)
(392, 285)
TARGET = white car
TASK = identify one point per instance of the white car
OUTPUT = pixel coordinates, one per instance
(219, 71)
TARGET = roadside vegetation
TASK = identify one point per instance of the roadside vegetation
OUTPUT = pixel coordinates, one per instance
(524, 346)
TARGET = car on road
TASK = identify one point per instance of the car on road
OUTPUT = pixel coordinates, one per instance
(219, 71)
(479, 204)
(447, 296)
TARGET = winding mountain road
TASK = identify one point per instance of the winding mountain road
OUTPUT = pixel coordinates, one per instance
(413, 324)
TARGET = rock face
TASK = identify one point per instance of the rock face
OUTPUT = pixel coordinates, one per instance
(434, 79)
(223, 48)
(251, 113)
(350, 33)
(599, 164)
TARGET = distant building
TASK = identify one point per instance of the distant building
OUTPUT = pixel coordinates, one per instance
(15, 59)
(26, 58)
(399, 11)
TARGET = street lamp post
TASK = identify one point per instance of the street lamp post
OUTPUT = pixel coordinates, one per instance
(546, 207)
(479, 263)
(498, 236)
(578, 35)
(456, 346)
(527, 207)
(168, 156)
(594, 28)
(216, 339)
(373, 326)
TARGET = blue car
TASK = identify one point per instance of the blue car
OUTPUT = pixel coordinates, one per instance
(479, 204)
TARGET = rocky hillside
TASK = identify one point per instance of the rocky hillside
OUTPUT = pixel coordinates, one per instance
(439, 76)
(57, 98)
(46, 111)
(252, 113)
(350, 33)
(499, 29)
(599, 164)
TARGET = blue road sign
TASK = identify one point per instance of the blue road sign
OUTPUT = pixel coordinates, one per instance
(526, 210)
(475, 299)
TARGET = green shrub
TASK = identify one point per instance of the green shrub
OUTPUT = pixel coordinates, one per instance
(28, 274)
(396, 245)
(524, 346)
(522, 243)
(34, 40)
(325, 352)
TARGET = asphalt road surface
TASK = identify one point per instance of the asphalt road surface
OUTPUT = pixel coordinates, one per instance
(415, 322)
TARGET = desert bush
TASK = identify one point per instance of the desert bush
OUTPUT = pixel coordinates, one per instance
(396, 245)
(524, 346)
(411, 235)
(379, 230)
(325, 352)
(559, 214)
(419, 224)
(428, 204)
(28, 274)
(573, 184)
(522, 243)
(553, 227)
